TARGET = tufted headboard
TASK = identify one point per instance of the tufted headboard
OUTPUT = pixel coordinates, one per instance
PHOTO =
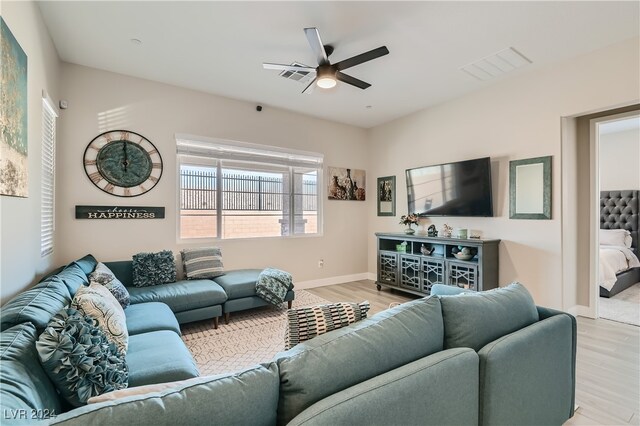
(619, 210)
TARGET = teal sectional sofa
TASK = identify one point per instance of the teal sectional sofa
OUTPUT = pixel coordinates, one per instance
(472, 359)
(196, 300)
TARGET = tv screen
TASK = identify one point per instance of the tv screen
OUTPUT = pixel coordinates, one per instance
(453, 189)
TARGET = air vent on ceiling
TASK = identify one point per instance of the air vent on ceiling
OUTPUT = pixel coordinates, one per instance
(496, 65)
(300, 76)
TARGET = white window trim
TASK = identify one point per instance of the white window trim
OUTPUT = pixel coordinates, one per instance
(48, 185)
(197, 148)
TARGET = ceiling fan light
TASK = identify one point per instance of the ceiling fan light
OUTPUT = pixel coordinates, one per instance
(326, 82)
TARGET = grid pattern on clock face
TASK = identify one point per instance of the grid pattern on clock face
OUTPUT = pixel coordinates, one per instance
(104, 161)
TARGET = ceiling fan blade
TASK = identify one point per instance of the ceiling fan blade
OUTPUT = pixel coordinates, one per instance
(363, 57)
(351, 80)
(283, 67)
(316, 45)
(309, 89)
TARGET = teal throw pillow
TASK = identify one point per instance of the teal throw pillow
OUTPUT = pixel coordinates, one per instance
(79, 359)
(472, 320)
(153, 268)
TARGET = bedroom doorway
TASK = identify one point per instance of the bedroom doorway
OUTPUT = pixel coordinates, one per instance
(615, 232)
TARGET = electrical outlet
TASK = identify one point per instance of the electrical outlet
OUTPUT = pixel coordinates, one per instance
(321, 263)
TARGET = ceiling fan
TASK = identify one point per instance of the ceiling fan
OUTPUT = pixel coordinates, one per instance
(327, 74)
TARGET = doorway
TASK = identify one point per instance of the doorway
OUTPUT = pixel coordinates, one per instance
(615, 282)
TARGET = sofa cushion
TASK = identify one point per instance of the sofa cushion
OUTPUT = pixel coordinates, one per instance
(25, 385)
(36, 305)
(309, 322)
(87, 263)
(157, 357)
(153, 268)
(123, 270)
(103, 276)
(79, 359)
(342, 358)
(474, 319)
(182, 295)
(248, 397)
(151, 316)
(239, 283)
(201, 263)
(98, 303)
(73, 277)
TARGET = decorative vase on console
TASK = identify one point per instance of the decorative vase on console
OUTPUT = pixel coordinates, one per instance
(409, 220)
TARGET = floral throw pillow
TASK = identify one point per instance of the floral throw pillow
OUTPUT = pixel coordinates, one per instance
(79, 359)
(103, 275)
(154, 268)
(98, 303)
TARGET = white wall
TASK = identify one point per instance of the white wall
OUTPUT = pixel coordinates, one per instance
(100, 101)
(515, 119)
(620, 160)
(20, 257)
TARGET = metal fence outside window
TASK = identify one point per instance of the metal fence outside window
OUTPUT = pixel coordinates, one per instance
(240, 192)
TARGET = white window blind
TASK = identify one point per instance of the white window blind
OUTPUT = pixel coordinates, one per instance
(47, 219)
(240, 190)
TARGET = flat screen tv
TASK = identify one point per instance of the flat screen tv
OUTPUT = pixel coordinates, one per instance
(454, 189)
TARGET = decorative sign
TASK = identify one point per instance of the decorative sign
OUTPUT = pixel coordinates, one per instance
(115, 212)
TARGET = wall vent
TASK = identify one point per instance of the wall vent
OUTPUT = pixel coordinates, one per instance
(300, 76)
(496, 65)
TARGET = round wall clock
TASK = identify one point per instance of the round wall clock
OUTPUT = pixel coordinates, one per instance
(122, 163)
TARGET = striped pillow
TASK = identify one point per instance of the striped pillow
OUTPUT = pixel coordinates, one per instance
(307, 323)
(201, 263)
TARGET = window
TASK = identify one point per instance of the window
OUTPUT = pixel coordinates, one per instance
(47, 220)
(240, 190)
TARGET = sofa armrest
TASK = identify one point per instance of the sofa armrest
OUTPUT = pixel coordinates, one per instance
(544, 313)
(243, 398)
(528, 377)
(440, 389)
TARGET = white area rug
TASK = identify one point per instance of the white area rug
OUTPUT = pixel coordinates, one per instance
(251, 337)
(623, 307)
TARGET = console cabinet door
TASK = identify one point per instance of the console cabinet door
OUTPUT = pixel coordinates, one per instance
(388, 268)
(463, 274)
(410, 272)
(433, 272)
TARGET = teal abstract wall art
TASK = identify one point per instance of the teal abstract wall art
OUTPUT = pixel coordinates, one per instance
(13, 115)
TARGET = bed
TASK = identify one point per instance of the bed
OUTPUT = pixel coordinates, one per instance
(619, 210)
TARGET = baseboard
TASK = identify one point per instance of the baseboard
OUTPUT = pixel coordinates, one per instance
(580, 311)
(333, 280)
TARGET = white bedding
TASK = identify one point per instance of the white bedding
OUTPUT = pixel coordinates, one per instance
(614, 259)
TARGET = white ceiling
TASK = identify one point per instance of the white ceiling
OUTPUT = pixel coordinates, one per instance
(219, 47)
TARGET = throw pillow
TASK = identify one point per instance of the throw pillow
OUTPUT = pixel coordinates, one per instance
(615, 237)
(98, 303)
(202, 263)
(471, 320)
(103, 275)
(153, 268)
(307, 323)
(79, 359)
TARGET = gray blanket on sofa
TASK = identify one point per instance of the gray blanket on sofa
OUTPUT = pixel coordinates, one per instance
(273, 285)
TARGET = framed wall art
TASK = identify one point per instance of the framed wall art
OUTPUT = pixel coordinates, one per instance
(346, 184)
(13, 104)
(386, 196)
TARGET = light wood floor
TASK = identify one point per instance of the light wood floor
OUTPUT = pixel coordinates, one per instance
(608, 358)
